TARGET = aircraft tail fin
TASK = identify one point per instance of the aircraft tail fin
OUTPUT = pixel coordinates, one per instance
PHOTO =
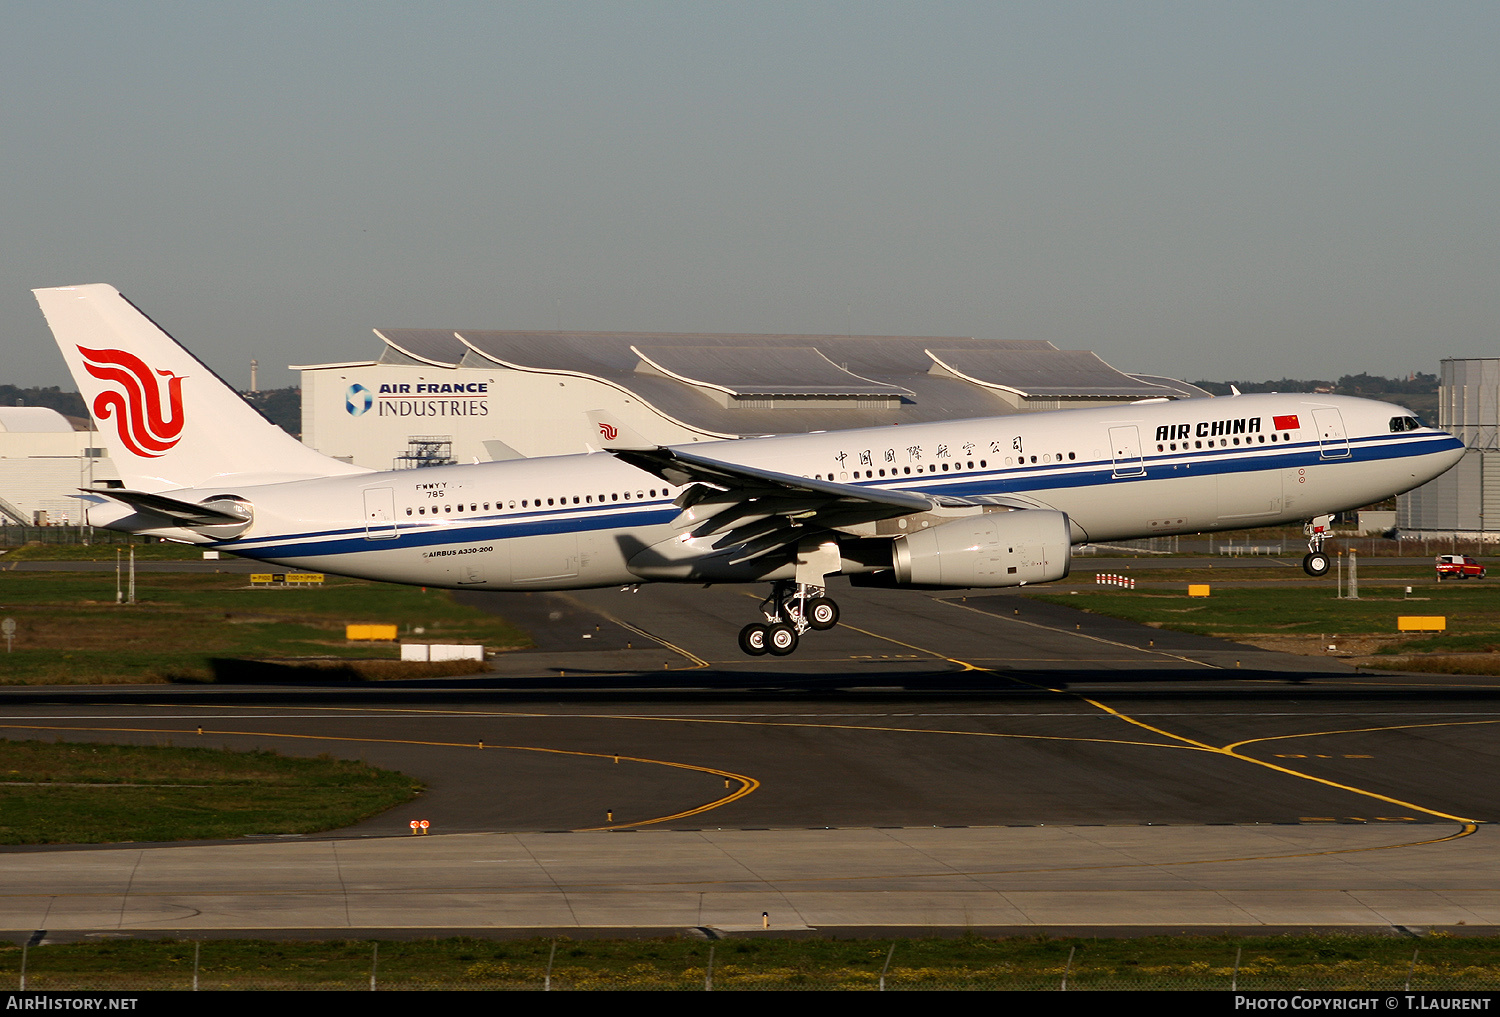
(608, 433)
(168, 421)
(499, 452)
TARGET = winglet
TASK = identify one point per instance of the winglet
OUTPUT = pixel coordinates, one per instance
(499, 452)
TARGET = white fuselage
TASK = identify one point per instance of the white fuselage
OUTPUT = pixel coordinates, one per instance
(1118, 472)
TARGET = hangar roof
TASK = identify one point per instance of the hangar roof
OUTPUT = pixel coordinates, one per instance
(748, 371)
(34, 419)
(738, 384)
(1044, 373)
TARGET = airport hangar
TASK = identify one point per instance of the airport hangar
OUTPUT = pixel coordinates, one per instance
(1464, 503)
(44, 460)
(437, 396)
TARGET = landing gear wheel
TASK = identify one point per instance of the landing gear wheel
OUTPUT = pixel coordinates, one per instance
(1315, 563)
(754, 640)
(822, 614)
(781, 639)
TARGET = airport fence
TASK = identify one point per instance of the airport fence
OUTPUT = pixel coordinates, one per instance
(727, 965)
(1292, 546)
(16, 535)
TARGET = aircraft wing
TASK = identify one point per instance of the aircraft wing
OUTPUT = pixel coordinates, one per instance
(765, 510)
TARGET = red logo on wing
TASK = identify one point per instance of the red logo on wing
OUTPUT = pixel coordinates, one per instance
(137, 405)
(610, 431)
(1288, 423)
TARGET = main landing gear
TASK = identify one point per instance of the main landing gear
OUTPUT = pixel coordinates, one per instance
(790, 610)
(1315, 563)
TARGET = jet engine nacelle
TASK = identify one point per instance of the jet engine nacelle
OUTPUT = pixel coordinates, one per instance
(994, 549)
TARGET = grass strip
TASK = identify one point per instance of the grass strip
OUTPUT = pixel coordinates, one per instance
(70, 630)
(1326, 962)
(1472, 611)
(105, 550)
(1475, 664)
(85, 793)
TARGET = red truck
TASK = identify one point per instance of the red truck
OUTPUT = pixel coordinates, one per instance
(1458, 566)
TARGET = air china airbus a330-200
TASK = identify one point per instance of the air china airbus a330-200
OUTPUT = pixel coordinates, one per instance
(983, 503)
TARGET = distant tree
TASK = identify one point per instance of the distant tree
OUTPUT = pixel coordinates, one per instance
(1415, 384)
(281, 406)
(1284, 385)
(1372, 385)
(69, 404)
(1363, 384)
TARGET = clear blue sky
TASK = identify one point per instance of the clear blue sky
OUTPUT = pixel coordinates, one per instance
(1201, 190)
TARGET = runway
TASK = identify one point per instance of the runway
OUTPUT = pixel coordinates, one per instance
(843, 881)
(982, 762)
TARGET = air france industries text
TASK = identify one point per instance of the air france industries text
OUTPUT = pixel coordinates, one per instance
(398, 407)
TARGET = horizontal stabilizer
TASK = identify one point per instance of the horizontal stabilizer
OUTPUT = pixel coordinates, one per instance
(187, 514)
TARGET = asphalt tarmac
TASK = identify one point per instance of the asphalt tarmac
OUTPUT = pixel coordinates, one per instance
(990, 743)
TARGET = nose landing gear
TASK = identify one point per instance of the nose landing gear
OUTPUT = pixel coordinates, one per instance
(790, 610)
(1315, 563)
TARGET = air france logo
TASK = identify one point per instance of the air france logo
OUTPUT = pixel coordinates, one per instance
(358, 400)
(136, 406)
(610, 431)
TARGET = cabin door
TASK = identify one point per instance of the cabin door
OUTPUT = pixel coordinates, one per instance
(1125, 445)
(1333, 440)
(380, 514)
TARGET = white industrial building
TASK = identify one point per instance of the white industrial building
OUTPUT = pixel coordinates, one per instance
(1463, 503)
(436, 395)
(43, 463)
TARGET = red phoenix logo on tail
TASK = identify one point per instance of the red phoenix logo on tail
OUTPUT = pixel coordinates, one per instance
(610, 431)
(137, 406)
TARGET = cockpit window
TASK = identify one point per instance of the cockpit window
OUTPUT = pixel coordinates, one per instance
(1399, 424)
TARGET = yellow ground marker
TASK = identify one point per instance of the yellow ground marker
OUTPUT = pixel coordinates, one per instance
(370, 633)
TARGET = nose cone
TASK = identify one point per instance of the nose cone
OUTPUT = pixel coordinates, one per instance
(1445, 454)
